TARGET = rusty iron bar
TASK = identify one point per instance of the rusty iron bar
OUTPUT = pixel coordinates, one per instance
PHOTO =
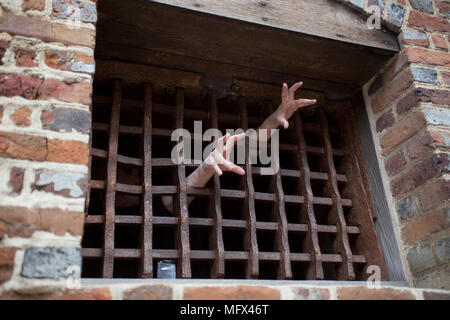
(108, 239)
(250, 241)
(218, 268)
(316, 272)
(344, 245)
(146, 268)
(181, 207)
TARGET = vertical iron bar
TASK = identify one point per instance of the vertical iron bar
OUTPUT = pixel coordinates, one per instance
(308, 205)
(337, 200)
(250, 241)
(108, 240)
(184, 258)
(146, 270)
(218, 269)
(284, 270)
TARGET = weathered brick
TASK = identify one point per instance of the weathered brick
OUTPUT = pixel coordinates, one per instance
(425, 75)
(21, 117)
(231, 293)
(1, 113)
(396, 13)
(433, 278)
(443, 7)
(26, 58)
(149, 292)
(376, 84)
(33, 5)
(420, 174)
(75, 92)
(385, 121)
(22, 222)
(68, 184)
(426, 143)
(68, 294)
(422, 227)
(395, 163)
(434, 194)
(16, 179)
(424, 5)
(68, 151)
(50, 263)
(414, 97)
(420, 258)
(70, 61)
(409, 36)
(407, 207)
(439, 41)
(434, 295)
(85, 11)
(442, 250)
(66, 120)
(437, 116)
(392, 90)
(3, 46)
(365, 293)
(7, 255)
(429, 57)
(427, 22)
(35, 27)
(22, 146)
(402, 131)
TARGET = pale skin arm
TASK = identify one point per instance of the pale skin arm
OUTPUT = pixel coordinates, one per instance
(219, 159)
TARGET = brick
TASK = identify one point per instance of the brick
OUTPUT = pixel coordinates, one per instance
(68, 294)
(437, 116)
(433, 295)
(414, 37)
(402, 131)
(50, 263)
(75, 92)
(16, 179)
(67, 184)
(407, 207)
(231, 293)
(7, 255)
(1, 113)
(68, 151)
(420, 258)
(35, 27)
(22, 146)
(424, 56)
(434, 194)
(427, 22)
(66, 120)
(21, 116)
(443, 8)
(442, 250)
(365, 293)
(426, 143)
(439, 41)
(70, 61)
(376, 84)
(385, 121)
(446, 77)
(396, 14)
(397, 64)
(150, 292)
(25, 58)
(414, 97)
(420, 174)
(85, 11)
(424, 5)
(38, 5)
(425, 75)
(22, 222)
(3, 46)
(395, 163)
(422, 227)
(433, 278)
(392, 90)
(19, 85)
(311, 294)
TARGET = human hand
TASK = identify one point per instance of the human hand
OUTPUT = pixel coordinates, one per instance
(289, 104)
(219, 158)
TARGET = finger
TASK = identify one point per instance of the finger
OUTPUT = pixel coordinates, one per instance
(217, 169)
(284, 92)
(285, 123)
(221, 142)
(234, 168)
(306, 102)
(230, 144)
(294, 88)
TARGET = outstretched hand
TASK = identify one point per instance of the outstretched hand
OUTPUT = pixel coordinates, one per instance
(289, 104)
(219, 159)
